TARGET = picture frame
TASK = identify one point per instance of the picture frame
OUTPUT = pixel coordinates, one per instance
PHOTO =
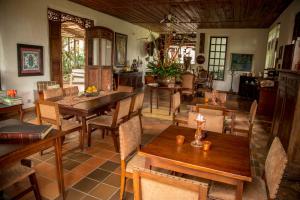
(241, 62)
(120, 49)
(30, 60)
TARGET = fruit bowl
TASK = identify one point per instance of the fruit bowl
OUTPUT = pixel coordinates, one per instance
(91, 94)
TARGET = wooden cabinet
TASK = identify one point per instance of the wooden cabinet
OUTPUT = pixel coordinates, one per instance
(133, 79)
(266, 101)
(99, 49)
(286, 120)
(248, 87)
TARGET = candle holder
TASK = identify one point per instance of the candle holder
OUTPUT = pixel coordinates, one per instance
(198, 134)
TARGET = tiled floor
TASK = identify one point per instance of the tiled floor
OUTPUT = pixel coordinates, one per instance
(95, 172)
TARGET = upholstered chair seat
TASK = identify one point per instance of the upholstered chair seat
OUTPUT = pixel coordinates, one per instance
(213, 123)
(182, 117)
(274, 168)
(136, 161)
(103, 120)
(69, 126)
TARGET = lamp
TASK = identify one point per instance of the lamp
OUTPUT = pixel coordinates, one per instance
(198, 134)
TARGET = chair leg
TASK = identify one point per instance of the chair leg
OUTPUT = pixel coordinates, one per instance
(141, 123)
(115, 138)
(81, 137)
(89, 131)
(122, 187)
(35, 186)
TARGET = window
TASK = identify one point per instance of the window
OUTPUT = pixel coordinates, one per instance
(183, 51)
(217, 57)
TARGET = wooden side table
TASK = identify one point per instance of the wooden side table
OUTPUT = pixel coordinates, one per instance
(14, 108)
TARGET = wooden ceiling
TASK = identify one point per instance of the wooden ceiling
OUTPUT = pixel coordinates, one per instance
(192, 14)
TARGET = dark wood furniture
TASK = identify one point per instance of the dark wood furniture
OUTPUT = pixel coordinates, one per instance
(100, 42)
(4, 109)
(288, 55)
(171, 90)
(132, 79)
(11, 153)
(248, 87)
(286, 119)
(149, 79)
(227, 161)
(91, 107)
(266, 101)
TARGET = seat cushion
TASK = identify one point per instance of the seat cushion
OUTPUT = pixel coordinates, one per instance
(136, 161)
(182, 117)
(68, 125)
(103, 120)
(254, 190)
(13, 174)
(241, 125)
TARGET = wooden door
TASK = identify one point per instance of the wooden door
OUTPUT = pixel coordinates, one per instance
(55, 51)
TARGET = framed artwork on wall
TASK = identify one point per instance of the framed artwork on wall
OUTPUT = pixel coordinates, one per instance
(120, 49)
(30, 60)
(241, 62)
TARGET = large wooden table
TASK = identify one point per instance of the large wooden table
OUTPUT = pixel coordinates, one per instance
(93, 106)
(13, 108)
(11, 153)
(227, 161)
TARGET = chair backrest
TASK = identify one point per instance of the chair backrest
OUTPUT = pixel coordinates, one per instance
(151, 185)
(53, 93)
(42, 85)
(176, 101)
(252, 111)
(71, 91)
(49, 112)
(188, 80)
(222, 97)
(274, 167)
(130, 137)
(214, 123)
(138, 102)
(122, 110)
(123, 88)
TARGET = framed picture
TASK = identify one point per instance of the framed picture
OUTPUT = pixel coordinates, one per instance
(120, 49)
(241, 62)
(30, 60)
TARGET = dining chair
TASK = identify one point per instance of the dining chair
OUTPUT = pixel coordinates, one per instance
(111, 122)
(130, 141)
(52, 93)
(137, 106)
(124, 88)
(221, 97)
(71, 91)
(244, 128)
(48, 111)
(214, 120)
(16, 173)
(265, 187)
(152, 185)
(178, 117)
(188, 84)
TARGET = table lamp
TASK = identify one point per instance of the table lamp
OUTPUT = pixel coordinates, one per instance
(198, 134)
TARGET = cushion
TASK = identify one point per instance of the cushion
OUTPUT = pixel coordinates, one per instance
(254, 190)
(214, 123)
(136, 161)
(182, 117)
(13, 174)
(67, 125)
(103, 120)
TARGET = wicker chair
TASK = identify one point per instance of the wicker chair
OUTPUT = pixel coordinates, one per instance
(130, 141)
(111, 122)
(53, 93)
(137, 106)
(48, 112)
(151, 185)
(259, 188)
(178, 117)
(16, 173)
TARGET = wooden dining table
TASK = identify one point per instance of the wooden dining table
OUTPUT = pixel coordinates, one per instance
(227, 161)
(11, 153)
(89, 106)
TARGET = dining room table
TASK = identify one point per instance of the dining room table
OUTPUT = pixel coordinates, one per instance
(14, 151)
(4, 109)
(83, 106)
(227, 161)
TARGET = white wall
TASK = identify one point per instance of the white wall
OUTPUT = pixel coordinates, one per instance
(26, 22)
(248, 41)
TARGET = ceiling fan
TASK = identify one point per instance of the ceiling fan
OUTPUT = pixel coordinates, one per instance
(169, 19)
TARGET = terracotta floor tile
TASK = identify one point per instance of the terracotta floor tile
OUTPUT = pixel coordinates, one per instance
(116, 158)
(116, 196)
(103, 191)
(47, 170)
(85, 185)
(113, 180)
(72, 178)
(89, 198)
(69, 164)
(94, 161)
(50, 191)
(78, 156)
(105, 154)
(117, 171)
(98, 175)
(72, 194)
(109, 166)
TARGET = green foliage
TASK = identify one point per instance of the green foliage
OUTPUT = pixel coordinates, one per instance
(173, 69)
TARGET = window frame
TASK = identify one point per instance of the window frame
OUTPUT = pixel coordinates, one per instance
(215, 51)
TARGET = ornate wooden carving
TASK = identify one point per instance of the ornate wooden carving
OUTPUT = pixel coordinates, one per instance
(55, 15)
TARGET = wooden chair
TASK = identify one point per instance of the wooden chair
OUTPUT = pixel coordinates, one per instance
(52, 93)
(178, 117)
(214, 119)
(111, 122)
(48, 112)
(71, 91)
(130, 141)
(151, 185)
(137, 106)
(188, 84)
(245, 128)
(16, 173)
(221, 97)
(259, 188)
(123, 88)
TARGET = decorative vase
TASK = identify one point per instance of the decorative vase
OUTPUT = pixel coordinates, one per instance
(165, 81)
